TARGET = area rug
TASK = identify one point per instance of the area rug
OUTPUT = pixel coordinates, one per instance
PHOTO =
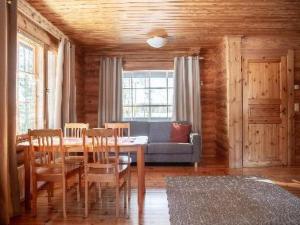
(230, 200)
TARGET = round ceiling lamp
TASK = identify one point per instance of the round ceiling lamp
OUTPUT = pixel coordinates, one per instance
(157, 42)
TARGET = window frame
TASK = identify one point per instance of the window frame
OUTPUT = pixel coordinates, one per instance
(148, 87)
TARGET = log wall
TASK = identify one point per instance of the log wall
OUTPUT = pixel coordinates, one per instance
(209, 71)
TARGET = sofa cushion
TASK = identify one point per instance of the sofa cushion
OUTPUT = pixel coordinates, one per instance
(180, 132)
(170, 148)
(139, 128)
(159, 131)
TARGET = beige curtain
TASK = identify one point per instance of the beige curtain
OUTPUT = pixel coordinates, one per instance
(110, 90)
(56, 123)
(69, 86)
(9, 188)
(187, 104)
(65, 86)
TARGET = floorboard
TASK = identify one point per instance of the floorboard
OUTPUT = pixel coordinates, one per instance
(156, 204)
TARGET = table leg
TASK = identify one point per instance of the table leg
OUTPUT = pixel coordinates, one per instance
(141, 177)
(27, 179)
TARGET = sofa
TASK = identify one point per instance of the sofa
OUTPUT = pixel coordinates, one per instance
(160, 148)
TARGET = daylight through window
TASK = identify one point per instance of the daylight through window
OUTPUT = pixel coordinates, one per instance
(147, 95)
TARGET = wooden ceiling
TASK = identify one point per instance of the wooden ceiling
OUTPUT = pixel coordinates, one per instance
(188, 23)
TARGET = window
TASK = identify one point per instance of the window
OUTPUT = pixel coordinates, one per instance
(29, 86)
(147, 95)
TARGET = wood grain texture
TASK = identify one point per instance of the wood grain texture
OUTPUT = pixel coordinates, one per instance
(265, 98)
(279, 45)
(209, 71)
(234, 99)
(79, 76)
(188, 23)
(155, 205)
(221, 103)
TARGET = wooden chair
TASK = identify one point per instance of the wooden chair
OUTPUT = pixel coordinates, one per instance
(101, 169)
(74, 130)
(122, 130)
(48, 164)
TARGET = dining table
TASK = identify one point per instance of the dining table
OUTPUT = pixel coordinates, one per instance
(133, 145)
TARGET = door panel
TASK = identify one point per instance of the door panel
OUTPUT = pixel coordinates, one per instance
(264, 111)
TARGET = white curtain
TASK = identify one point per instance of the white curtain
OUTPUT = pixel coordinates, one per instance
(110, 90)
(9, 188)
(64, 87)
(187, 103)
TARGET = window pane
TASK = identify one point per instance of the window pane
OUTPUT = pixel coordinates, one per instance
(21, 58)
(126, 82)
(140, 96)
(140, 79)
(30, 61)
(140, 112)
(170, 111)
(127, 99)
(158, 79)
(127, 112)
(159, 97)
(147, 94)
(170, 96)
(27, 89)
(159, 112)
(170, 81)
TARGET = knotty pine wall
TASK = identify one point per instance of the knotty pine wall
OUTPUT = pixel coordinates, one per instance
(209, 71)
(213, 91)
(255, 43)
(79, 72)
(221, 103)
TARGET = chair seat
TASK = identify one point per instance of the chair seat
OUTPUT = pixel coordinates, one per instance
(78, 160)
(123, 159)
(122, 168)
(52, 173)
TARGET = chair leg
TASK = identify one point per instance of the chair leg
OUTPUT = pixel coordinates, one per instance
(86, 189)
(117, 200)
(34, 196)
(129, 180)
(125, 196)
(128, 195)
(78, 186)
(64, 197)
(49, 192)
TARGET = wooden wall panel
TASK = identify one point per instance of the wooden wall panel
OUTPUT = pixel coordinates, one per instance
(79, 72)
(234, 100)
(209, 70)
(221, 104)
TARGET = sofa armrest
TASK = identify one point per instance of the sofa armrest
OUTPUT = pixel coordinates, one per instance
(195, 140)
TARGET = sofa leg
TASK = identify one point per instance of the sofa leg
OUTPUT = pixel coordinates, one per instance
(196, 165)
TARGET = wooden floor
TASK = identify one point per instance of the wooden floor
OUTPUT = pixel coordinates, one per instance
(156, 205)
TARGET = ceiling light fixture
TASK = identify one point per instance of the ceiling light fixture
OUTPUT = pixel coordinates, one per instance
(157, 42)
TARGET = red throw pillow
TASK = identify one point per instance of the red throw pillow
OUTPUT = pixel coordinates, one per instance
(180, 132)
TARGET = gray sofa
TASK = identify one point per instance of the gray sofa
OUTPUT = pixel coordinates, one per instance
(160, 148)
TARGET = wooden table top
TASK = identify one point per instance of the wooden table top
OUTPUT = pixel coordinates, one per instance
(74, 142)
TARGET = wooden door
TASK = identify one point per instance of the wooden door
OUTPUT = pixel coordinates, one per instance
(265, 102)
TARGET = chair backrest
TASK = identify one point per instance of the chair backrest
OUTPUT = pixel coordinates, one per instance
(46, 148)
(74, 129)
(121, 128)
(104, 148)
